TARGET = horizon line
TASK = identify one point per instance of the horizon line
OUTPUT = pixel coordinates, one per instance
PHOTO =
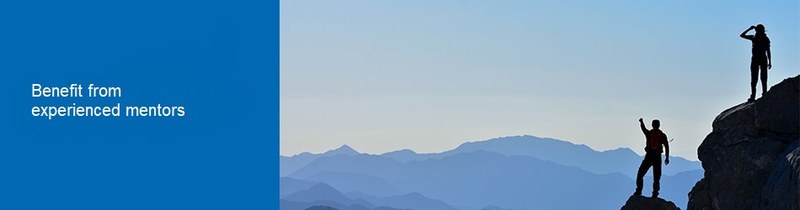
(466, 142)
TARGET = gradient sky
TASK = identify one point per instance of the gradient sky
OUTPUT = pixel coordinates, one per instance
(383, 75)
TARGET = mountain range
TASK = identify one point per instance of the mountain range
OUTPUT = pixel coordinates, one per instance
(517, 172)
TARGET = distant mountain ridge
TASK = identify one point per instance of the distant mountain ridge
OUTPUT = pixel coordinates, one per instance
(491, 176)
(290, 164)
(321, 194)
(515, 172)
(620, 160)
(456, 180)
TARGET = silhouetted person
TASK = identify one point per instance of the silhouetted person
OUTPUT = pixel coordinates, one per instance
(655, 139)
(762, 58)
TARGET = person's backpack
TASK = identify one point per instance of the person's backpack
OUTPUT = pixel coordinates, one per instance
(654, 140)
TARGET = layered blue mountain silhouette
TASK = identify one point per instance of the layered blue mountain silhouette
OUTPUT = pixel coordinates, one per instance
(519, 172)
(321, 194)
(621, 160)
(291, 164)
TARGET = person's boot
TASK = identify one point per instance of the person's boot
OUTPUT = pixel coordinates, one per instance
(655, 194)
(637, 193)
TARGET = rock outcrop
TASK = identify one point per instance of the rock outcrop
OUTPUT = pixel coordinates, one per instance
(751, 158)
(637, 202)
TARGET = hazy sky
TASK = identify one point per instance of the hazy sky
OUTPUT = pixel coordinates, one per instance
(428, 75)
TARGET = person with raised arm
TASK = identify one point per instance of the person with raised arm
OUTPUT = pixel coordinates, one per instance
(653, 149)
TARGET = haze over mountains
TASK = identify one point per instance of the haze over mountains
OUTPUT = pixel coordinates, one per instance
(518, 172)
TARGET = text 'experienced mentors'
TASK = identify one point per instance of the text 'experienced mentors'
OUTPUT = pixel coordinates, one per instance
(93, 91)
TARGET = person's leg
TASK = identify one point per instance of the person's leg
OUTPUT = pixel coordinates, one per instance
(640, 175)
(763, 66)
(753, 79)
(656, 174)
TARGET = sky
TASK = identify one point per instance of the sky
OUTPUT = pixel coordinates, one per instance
(428, 76)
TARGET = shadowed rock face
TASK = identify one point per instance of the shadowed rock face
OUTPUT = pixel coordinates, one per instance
(751, 158)
(639, 202)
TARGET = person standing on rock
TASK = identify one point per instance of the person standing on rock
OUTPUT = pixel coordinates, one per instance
(761, 59)
(655, 140)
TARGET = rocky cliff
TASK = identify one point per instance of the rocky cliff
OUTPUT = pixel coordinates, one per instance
(636, 202)
(751, 158)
